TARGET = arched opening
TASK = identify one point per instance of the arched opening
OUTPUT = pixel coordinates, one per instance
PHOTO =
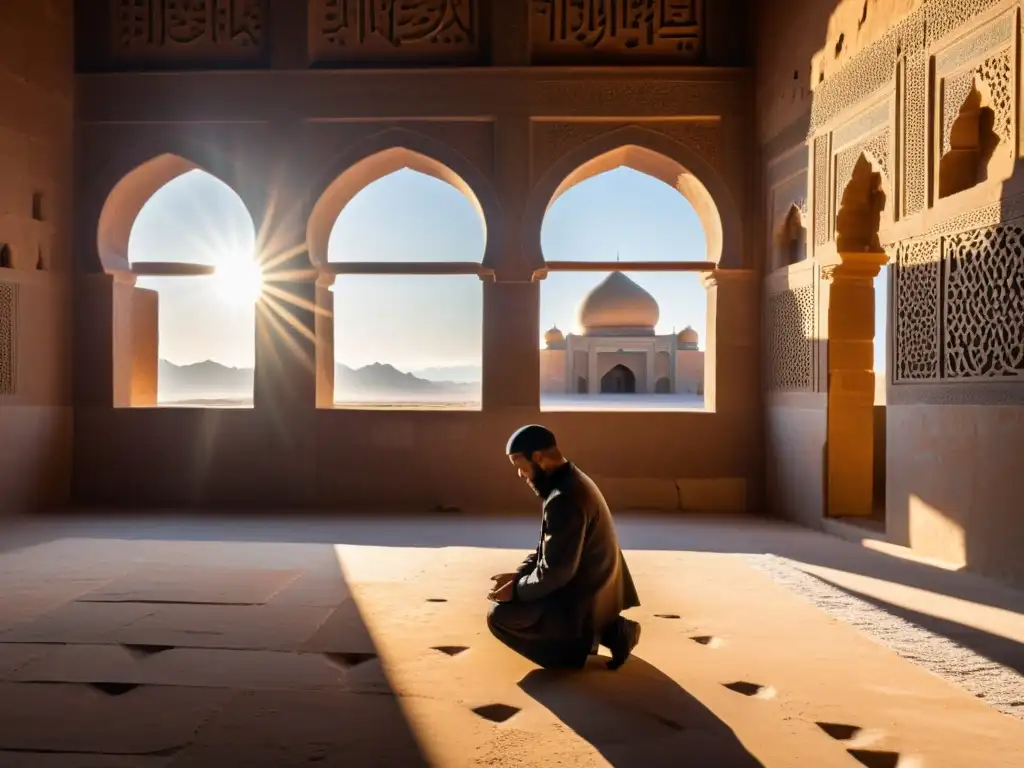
(402, 258)
(791, 239)
(860, 213)
(6, 262)
(599, 228)
(970, 147)
(620, 380)
(181, 245)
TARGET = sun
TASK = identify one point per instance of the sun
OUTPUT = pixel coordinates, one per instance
(240, 281)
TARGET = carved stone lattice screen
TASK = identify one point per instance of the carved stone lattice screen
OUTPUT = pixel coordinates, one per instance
(959, 313)
(916, 319)
(8, 316)
(983, 303)
(789, 324)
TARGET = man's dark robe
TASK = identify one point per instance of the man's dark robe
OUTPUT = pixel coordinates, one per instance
(575, 585)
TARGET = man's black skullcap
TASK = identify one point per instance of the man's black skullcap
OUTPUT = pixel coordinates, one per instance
(532, 437)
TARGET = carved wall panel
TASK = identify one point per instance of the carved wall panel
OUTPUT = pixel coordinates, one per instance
(789, 325)
(917, 281)
(983, 303)
(165, 31)
(8, 318)
(616, 31)
(947, 16)
(394, 31)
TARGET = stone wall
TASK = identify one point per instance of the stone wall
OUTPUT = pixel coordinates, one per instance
(36, 134)
(329, 103)
(890, 134)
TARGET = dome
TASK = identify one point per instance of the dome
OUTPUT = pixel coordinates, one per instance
(688, 336)
(554, 337)
(618, 306)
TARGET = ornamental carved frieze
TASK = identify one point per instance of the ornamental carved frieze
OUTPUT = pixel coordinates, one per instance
(616, 31)
(393, 31)
(180, 31)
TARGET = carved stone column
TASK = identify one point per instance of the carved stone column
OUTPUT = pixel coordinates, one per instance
(511, 354)
(511, 328)
(593, 384)
(731, 357)
(286, 350)
(848, 299)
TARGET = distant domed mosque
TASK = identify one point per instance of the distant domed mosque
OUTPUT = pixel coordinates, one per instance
(618, 351)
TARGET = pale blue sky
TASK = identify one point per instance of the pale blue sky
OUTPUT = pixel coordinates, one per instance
(415, 322)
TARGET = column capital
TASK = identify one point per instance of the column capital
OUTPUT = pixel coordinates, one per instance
(854, 265)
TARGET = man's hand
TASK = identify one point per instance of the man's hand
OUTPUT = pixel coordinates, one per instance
(501, 578)
(503, 593)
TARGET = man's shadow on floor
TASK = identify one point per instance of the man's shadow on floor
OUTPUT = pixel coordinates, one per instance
(637, 716)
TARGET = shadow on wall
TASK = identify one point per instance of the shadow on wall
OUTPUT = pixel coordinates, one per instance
(954, 420)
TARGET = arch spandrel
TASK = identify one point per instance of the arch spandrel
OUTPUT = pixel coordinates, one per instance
(116, 195)
(655, 154)
(384, 153)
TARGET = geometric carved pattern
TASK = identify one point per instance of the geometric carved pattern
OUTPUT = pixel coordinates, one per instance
(945, 16)
(790, 337)
(990, 36)
(865, 73)
(997, 73)
(8, 314)
(983, 310)
(821, 198)
(916, 315)
(915, 139)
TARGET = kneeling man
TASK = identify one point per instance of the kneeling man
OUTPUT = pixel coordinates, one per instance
(566, 598)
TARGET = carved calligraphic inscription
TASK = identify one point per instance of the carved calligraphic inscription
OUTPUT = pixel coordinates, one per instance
(188, 30)
(8, 314)
(616, 30)
(352, 31)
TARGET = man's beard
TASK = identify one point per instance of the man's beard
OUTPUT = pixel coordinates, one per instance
(540, 481)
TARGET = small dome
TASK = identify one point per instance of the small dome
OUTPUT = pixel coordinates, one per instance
(688, 336)
(618, 305)
(554, 337)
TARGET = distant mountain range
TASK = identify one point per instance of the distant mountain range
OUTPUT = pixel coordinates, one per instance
(213, 380)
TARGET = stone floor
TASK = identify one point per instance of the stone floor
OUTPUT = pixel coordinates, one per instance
(185, 642)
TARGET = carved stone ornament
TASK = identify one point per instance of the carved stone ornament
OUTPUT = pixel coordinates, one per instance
(175, 30)
(439, 31)
(613, 30)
